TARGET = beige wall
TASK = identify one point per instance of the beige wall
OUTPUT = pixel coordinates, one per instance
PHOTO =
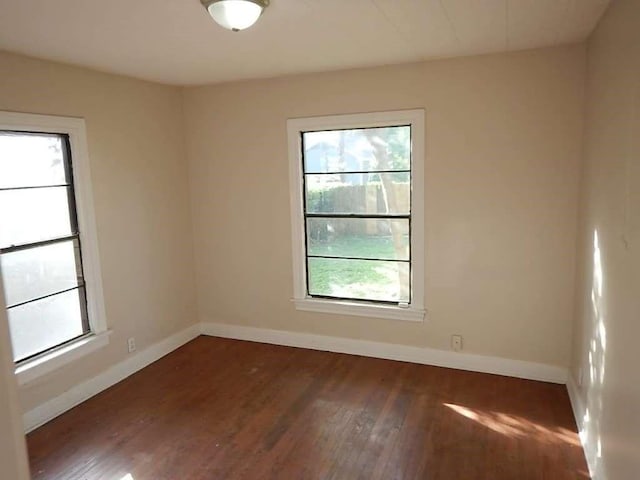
(13, 452)
(502, 166)
(136, 148)
(607, 325)
(503, 137)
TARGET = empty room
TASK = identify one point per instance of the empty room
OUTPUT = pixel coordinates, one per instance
(319, 239)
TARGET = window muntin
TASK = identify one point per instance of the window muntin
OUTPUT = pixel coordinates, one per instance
(357, 213)
(40, 243)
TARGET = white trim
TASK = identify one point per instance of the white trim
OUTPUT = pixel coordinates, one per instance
(295, 126)
(88, 229)
(75, 128)
(360, 309)
(579, 412)
(425, 356)
(296, 202)
(577, 404)
(118, 372)
(39, 366)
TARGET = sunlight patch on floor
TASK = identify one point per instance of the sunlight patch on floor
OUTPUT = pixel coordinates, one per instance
(515, 426)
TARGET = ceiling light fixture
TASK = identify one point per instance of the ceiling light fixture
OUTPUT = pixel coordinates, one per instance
(235, 15)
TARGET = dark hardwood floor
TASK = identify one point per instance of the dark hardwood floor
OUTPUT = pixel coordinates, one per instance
(226, 409)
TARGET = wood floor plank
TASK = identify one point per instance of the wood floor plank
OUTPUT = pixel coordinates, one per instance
(227, 409)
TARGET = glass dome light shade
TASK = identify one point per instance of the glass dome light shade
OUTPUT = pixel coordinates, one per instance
(236, 15)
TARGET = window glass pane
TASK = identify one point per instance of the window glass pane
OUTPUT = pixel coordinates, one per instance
(357, 150)
(359, 279)
(358, 237)
(28, 160)
(45, 323)
(374, 193)
(33, 273)
(31, 215)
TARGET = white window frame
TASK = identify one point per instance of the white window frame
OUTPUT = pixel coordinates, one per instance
(99, 335)
(295, 127)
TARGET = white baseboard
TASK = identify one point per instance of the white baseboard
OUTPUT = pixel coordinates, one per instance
(85, 390)
(426, 356)
(596, 471)
(577, 404)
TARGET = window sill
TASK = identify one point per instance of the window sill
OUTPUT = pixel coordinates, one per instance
(29, 371)
(391, 312)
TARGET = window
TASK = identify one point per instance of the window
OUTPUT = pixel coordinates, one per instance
(357, 213)
(48, 254)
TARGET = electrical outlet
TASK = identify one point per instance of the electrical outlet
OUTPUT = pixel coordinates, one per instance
(456, 343)
(580, 377)
(131, 344)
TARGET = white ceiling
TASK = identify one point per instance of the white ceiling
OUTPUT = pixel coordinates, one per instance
(176, 42)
